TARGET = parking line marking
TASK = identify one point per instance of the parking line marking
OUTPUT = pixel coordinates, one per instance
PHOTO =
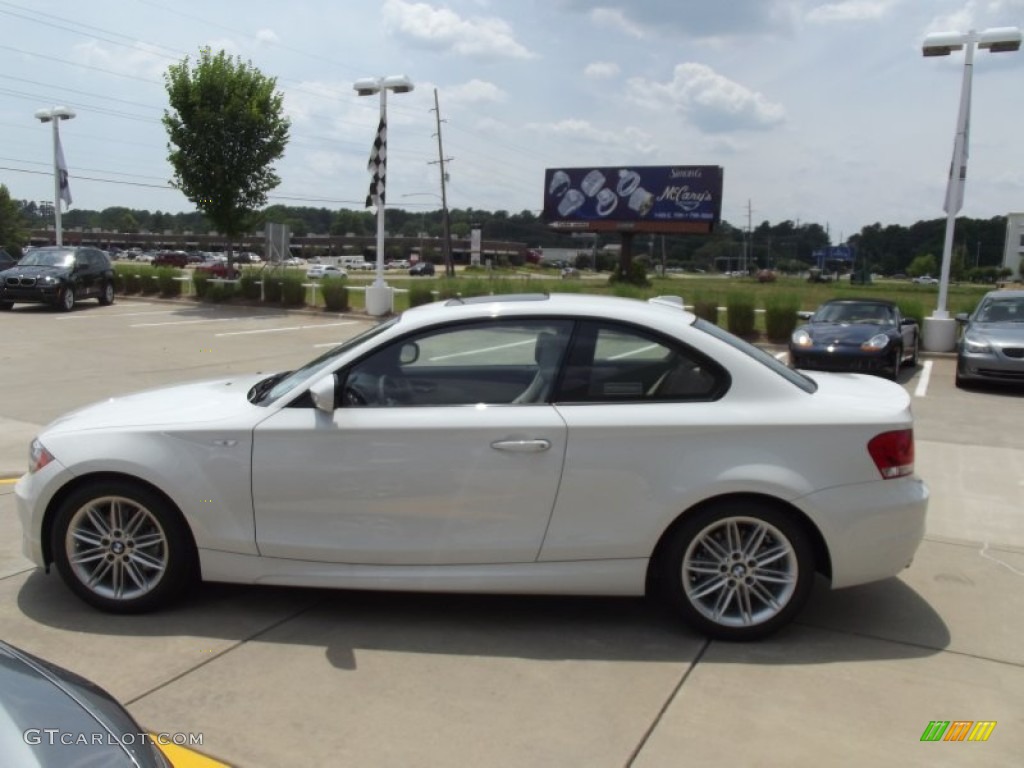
(922, 383)
(286, 328)
(95, 316)
(192, 322)
(8, 480)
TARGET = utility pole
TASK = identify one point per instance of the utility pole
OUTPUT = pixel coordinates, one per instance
(449, 267)
(747, 245)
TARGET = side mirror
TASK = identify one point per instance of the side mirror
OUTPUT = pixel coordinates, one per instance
(409, 353)
(324, 393)
(803, 314)
(962, 317)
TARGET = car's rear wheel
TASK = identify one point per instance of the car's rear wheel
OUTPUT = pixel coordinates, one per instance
(122, 548)
(67, 298)
(107, 296)
(6, 306)
(738, 570)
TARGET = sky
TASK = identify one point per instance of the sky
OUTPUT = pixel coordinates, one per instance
(818, 112)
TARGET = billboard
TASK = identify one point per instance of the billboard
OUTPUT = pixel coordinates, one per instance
(657, 199)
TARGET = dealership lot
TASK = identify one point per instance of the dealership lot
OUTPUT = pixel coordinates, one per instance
(275, 676)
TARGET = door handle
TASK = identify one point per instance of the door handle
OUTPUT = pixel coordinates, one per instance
(521, 446)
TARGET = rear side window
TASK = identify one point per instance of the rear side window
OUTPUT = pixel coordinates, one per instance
(609, 362)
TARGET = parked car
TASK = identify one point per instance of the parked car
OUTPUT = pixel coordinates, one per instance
(531, 444)
(926, 280)
(6, 260)
(422, 268)
(53, 717)
(60, 276)
(218, 270)
(318, 271)
(171, 259)
(991, 346)
(865, 335)
(570, 273)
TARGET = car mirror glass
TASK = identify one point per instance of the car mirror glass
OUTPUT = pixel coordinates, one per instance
(409, 353)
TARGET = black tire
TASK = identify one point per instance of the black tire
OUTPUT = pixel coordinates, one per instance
(106, 297)
(915, 359)
(6, 306)
(66, 300)
(122, 548)
(690, 567)
(897, 364)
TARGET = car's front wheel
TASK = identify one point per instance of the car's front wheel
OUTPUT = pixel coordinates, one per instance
(897, 364)
(67, 298)
(122, 548)
(6, 306)
(738, 570)
(915, 358)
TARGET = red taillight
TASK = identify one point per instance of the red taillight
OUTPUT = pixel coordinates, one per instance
(893, 453)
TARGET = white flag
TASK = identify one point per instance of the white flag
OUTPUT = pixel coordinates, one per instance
(62, 173)
(378, 166)
(958, 175)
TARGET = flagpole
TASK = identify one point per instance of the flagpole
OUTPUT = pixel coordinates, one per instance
(54, 116)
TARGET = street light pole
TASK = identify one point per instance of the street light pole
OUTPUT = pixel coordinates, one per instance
(379, 297)
(939, 332)
(54, 116)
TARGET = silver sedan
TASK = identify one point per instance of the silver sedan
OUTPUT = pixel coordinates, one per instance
(991, 347)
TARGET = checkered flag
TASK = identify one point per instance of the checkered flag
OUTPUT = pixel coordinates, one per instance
(378, 166)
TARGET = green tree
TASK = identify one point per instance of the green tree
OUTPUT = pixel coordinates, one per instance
(12, 224)
(226, 128)
(925, 264)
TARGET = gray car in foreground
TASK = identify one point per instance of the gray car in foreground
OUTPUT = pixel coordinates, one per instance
(991, 347)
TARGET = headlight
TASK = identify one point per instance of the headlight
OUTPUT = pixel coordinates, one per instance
(801, 338)
(875, 343)
(38, 456)
(976, 345)
(48, 279)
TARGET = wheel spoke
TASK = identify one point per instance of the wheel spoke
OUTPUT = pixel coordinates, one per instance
(764, 595)
(711, 585)
(776, 553)
(134, 574)
(714, 548)
(743, 602)
(147, 561)
(148, 540)
(89, 555)
(708, 567)
(774, 576)
(134, 522)
(755, 541)
(98, 523)
(723, 601)
(99, 573)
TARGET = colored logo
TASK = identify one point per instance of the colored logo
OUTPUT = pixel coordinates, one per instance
(958, 730)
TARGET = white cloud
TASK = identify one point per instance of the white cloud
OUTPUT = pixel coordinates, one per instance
(616, 19)
(141, 60)
(584, 131)
(443, 29)
(266, 36)
(601, 69)
(712, 101)
(850, 10)
(474, 92)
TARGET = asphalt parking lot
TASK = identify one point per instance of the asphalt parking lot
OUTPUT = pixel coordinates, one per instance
(275, 677)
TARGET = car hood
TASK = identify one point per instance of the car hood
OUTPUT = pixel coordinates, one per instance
(182, 405)
(844, 333)
(36, 271)
(1000, 333)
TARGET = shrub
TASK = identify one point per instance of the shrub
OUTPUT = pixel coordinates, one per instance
(148, 284)
(249, 285)
(420, 294)
(706, 307)
(132, 284)
(636, 276)
(272, 288)
(218, 292)
(740, 315)
(335, 294)
(780, 318)
(293, 293)
(912, 309)
(167, 282)
(201, 284)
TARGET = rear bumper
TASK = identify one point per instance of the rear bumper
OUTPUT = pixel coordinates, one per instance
(872, 530)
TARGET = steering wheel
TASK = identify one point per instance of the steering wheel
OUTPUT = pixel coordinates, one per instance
(393, 390)
(352, 396)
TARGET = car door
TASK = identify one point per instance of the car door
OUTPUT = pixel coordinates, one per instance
(425, 460)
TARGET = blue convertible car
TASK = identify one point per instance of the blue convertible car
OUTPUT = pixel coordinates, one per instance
(857, 335)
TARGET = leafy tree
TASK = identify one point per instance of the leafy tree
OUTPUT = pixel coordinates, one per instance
(226, 128)
(12, 224)
(925, 264)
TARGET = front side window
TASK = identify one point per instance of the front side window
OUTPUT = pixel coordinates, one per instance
(617, 363)
(510, 362)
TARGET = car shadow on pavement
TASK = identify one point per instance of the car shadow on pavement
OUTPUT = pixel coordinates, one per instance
(543, 628)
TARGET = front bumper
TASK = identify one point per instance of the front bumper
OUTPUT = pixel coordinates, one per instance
(840, 359)
(41, 293)
(997, 365)
(32, 495)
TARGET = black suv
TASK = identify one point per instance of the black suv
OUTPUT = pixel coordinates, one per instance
(59, 275)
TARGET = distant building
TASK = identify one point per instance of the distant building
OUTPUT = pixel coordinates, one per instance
(1013, 250)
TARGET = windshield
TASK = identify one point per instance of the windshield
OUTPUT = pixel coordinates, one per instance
(805, 383)
(48, 257)
(855, 312)
(323, 363)
(1002, 311)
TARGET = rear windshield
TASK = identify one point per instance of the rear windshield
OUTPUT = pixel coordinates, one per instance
(794, 377)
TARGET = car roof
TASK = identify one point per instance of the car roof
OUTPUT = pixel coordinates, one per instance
(1004, 294)
(653, 312)
(884, 302)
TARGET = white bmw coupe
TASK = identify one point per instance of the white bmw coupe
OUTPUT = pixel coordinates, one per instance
(529, 444)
